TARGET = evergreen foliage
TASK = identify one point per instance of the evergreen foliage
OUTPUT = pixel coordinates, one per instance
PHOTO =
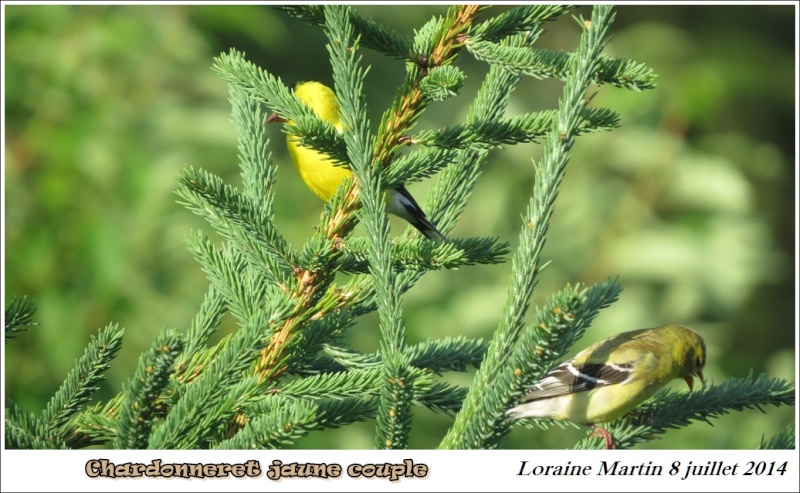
(19, 316)
(286, 372)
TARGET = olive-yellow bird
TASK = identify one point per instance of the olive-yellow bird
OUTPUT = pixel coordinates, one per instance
(323, 177)
(612, 377)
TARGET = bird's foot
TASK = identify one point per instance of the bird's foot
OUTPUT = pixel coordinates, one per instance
(605, 435)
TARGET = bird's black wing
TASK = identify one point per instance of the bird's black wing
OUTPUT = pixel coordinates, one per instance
(567, 378)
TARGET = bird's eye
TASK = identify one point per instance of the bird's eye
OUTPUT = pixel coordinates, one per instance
(699, 362)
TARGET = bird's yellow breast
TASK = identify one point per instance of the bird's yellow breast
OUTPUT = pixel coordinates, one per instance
(317, 170)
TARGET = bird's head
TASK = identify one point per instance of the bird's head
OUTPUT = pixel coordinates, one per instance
(693, 355)
(319, 97)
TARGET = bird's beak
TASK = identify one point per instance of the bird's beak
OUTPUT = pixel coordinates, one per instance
(690, 380)
(275, 118)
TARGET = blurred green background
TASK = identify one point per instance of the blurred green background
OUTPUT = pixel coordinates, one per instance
(690, 202)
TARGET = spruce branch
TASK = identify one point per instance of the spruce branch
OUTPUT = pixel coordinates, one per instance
(139, 406)
(310, 131)
(338, 385)
(280, 421)
(444, 44)
(19, 316)
(783, 440)
(188, 368)
(560, 324)
(395, 409)
(424, 255)
(241, 219)
(204, 324)
(456, 181)
(436, 356)
(670, 409)
(443, 397)
(206, 405)
(311, 301)
(227, 270)
(255, 158)
(341, 412)
(515, 130)
(260, 85)
(358, 383)
(257, 85)
(25, 430)
(83, 380)
(442, 83)
(518, 19)
(374, 35)
(447, 354)
(479, 419)
(421, 163)
(543, 63)
(279, 428)
(96, 424)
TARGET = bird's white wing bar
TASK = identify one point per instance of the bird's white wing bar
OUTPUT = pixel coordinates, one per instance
(567, 378)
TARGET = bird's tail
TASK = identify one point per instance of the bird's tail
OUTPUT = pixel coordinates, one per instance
(425, 227)
(402, 204)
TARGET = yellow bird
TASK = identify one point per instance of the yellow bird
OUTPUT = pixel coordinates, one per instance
(323, 177)
(612, 377)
